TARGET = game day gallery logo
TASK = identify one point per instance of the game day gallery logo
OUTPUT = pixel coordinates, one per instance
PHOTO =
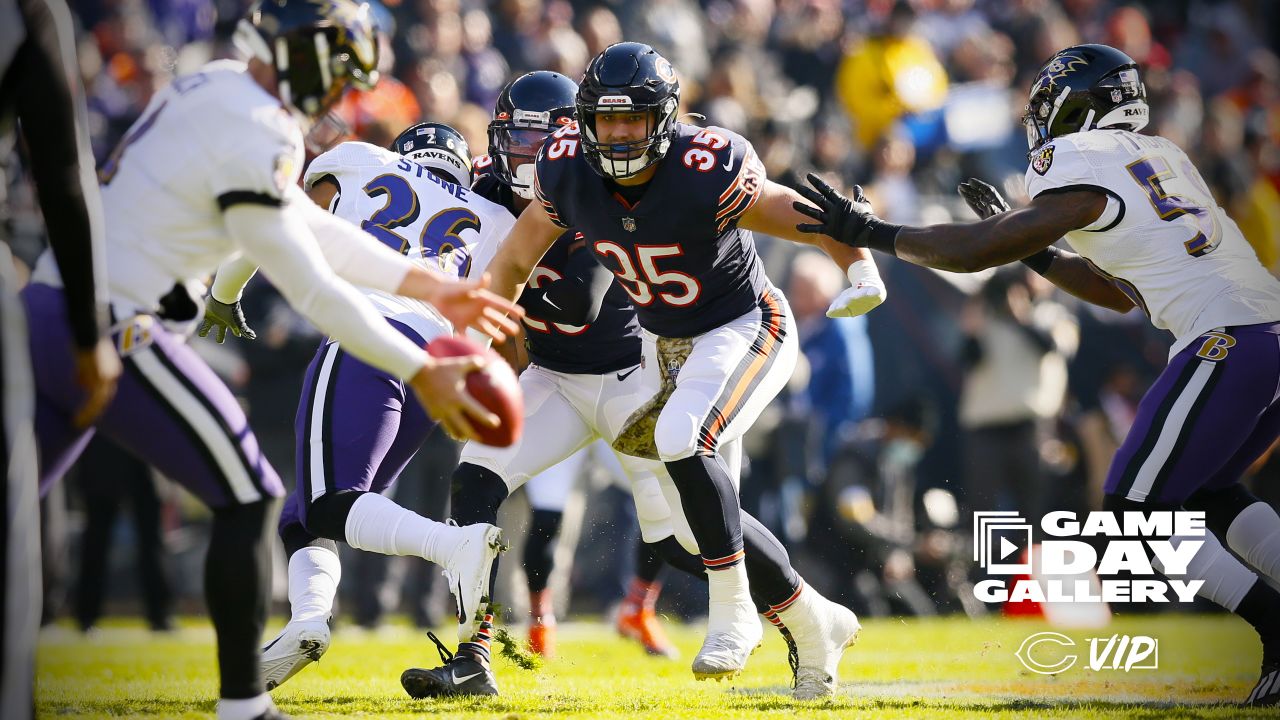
(1058, 563)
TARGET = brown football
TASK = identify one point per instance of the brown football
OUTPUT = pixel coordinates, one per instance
(495, 387)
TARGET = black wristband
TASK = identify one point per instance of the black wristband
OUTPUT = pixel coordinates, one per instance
(882, 236)
(1043, 260)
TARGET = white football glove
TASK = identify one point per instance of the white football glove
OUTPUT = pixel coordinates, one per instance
(866, 293)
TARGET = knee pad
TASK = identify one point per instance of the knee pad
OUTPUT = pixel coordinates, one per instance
(675, 435)
(477, 494)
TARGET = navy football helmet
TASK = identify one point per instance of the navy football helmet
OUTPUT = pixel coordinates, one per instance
(440, 148)
(1085, 87)
(530, 107)
(318, 49)
(628, 77)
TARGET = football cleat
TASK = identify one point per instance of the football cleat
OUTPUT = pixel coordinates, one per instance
(460, 675)
(297, 646)
(822, 630)
(1267, 690)
(468, 570)
(542, 639)
(641, 624)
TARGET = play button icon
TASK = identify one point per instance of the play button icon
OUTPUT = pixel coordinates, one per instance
(1007, 548)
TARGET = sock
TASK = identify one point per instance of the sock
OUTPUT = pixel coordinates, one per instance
(541, 608)
(246, 709)
(540, 547)
(1226, 579)
(1260, 607)
(377, 524)
(237, 586)
(478, 646)
(314, 574)
(641, 595)
(648, 562)
(711, 504)
(727, 585)
(1255, 536)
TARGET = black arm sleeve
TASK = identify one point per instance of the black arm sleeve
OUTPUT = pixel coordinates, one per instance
(576, 298)
(48, 99)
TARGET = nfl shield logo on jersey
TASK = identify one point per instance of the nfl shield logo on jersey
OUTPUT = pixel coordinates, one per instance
(629, 224)
(1042, 160)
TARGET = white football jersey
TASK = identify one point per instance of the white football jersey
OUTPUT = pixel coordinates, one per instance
(208, 140)
(1162, 236)
(430, 220)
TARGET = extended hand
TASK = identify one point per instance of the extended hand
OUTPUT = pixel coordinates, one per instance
(847, 221)
(441, 387)
(97, 372)
(867, 291)
(469, 304)
(225, 316)
(982, 198)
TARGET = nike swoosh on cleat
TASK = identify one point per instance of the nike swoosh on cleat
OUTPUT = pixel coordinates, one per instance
(459, 680)
(627, 374)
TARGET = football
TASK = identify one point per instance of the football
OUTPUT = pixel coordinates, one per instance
(495, 387)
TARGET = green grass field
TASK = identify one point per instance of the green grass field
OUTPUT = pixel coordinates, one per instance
(953, 668)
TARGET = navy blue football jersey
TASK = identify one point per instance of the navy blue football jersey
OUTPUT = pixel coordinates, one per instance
(678, 251)
(610, 343)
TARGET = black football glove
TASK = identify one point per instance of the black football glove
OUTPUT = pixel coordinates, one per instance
(984, 199)
(225, 316)
(849, 222)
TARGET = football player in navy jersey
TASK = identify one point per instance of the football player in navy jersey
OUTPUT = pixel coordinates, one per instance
(580, 331)
(570, 286)
(669, 209)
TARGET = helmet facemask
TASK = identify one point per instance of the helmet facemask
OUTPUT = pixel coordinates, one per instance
(514, 143)
(620, 160)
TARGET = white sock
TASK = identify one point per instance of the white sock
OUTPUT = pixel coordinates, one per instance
(729, 586)
(244, 709)
(379, 525)
(314, 574)
(1255, 536)
(1226, 579)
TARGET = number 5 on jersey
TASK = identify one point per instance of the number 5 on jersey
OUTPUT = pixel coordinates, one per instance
(640, 287)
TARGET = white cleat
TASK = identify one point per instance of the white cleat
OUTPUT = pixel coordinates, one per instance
(297, 646)
(468, 569)
(821, 645)
(732, 635)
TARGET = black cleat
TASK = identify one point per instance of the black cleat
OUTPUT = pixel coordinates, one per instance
(460, 675)
(1267, 691)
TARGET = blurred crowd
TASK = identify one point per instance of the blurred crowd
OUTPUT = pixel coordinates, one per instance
(980, 392)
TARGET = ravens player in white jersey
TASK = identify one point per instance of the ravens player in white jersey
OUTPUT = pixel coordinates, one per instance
(358, 426)
(207, 173)
(669, 208)
(1148, 233)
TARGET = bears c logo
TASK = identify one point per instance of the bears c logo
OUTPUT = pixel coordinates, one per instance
(1215, 347)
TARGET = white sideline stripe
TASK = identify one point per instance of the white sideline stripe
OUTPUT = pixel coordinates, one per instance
(315, 440)
(206, 426)
(1151, 467)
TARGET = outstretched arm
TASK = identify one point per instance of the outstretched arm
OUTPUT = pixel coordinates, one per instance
(959, 247)
(1069, 271)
